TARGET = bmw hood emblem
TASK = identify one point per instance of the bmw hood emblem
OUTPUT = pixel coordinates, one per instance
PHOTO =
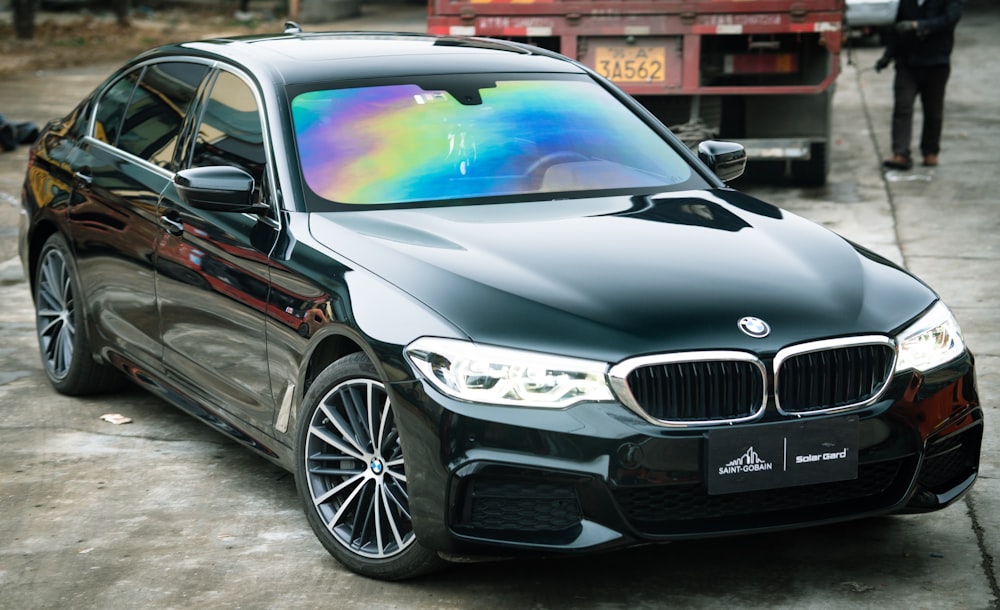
(755, 327)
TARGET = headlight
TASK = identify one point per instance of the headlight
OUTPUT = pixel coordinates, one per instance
(496, 375)
(933, 340)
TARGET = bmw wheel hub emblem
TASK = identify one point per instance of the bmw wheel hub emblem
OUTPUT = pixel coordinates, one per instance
(376, 465)
(755, 327)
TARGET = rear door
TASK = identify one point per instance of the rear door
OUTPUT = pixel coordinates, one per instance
(119, 173)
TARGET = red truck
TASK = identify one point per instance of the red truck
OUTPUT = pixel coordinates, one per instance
(760, 72)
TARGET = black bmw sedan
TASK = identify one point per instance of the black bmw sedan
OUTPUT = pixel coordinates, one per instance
(480, 302)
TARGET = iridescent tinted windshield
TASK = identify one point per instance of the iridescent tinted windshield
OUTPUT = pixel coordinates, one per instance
(402, 143)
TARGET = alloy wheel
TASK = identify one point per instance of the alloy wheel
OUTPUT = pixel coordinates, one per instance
(55, 313)
(355, 472)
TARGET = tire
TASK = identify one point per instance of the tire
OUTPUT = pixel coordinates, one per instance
(60, 323)
(350, 474)
(812, 172)
(764, 172)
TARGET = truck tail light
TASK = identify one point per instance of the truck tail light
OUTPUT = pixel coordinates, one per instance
(754, 63)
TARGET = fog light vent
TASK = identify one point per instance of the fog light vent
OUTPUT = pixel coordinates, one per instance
(521, 506)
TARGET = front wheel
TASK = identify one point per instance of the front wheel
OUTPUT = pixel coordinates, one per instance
(351, 474)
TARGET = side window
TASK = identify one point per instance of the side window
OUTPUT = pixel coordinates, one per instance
(111, 108)
(230, 132)
(160, 103)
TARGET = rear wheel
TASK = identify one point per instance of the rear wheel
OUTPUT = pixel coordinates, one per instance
(351, 474)
(62, 333)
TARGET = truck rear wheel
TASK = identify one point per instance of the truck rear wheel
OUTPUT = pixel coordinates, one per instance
(814, 171)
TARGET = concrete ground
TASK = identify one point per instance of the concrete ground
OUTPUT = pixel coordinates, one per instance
(164, 513)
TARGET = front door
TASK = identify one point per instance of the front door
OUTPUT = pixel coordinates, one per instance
(212, 268)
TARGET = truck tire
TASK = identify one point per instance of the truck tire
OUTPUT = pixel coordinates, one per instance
(814, 171)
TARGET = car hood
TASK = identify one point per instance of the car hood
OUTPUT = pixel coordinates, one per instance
(613, 277)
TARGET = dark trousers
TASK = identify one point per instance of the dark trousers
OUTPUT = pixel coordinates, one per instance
(929, 83)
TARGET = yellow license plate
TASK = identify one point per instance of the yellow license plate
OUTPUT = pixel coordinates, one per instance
(632, 64)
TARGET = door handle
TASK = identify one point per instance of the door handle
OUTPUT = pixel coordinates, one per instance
(172, 225)
(83, 180)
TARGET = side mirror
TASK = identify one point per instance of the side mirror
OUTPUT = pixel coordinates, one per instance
(727, 159)
(220, 188)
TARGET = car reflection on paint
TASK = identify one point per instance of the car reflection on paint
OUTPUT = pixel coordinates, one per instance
(480, 302)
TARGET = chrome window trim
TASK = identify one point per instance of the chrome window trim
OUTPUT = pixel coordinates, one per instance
(618, 375)
(141, 66)
(214, 66)
(127, 156)
(827, 344)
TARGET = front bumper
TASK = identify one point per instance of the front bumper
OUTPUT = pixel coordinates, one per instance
(503, 480)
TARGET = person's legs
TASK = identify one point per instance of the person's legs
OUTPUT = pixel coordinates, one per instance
(904, 90)
(932, 87)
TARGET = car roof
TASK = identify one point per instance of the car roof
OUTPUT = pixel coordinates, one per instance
(299, 58)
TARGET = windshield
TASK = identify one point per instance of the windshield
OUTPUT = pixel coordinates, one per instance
(400, 143)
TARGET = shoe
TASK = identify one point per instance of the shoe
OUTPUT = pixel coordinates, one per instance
(8, 139)
(930, 160)
(898, 162)
(26, 132)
